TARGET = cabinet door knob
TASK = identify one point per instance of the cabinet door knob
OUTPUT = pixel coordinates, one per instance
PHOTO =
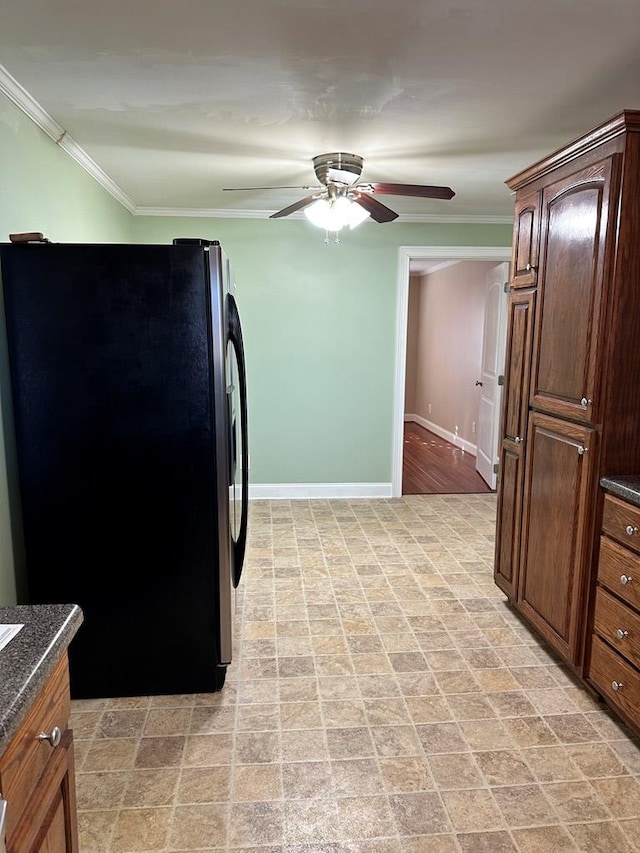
(620, 634)
(585, 402)
(630, 530)
(625, 579)
(581, 450)
(617, 685)
(54, 737)
(530, 268)
(517, 439)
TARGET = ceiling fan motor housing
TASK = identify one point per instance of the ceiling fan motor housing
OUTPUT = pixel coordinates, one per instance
(341, 167)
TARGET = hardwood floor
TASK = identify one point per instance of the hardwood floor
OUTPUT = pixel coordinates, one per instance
(433, 466)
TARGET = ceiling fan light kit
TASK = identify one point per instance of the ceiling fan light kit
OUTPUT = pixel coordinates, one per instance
(341, 200)
(333, 214)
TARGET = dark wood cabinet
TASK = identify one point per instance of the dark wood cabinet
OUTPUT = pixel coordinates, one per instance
(576, 245)
(571, 407)
(556, 523)
(518, 364)
(614, 659)
(514, 434)
(526, 233)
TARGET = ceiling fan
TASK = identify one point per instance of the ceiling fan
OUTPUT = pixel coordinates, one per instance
(342, 199)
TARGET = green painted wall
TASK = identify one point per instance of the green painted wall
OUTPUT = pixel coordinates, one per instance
(41, 189)
(319, 323)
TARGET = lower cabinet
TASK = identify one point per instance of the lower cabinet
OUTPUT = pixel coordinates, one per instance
(555, 552)
(614, 665)
(615, 680)
(37, 775)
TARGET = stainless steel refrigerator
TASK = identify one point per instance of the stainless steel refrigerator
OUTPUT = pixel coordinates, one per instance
(128, 392)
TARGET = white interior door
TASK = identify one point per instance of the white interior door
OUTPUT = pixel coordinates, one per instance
(493, 346)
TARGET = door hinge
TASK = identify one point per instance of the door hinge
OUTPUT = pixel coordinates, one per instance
(495, 468)
(501, 380)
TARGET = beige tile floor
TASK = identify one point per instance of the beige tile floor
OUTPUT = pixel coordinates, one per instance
(383, 699)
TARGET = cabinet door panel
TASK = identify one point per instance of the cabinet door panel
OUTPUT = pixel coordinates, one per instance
(518, 364)
(577, 227)
(526, 235)
(49, 825)
(555, 554)
(514, 427)
(55, 836)
(508, 519)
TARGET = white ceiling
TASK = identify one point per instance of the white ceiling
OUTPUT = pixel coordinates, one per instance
(175, 100)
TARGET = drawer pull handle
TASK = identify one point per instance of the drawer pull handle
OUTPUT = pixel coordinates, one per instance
(625, 579)
(630, 530)
(617, 685)
(620, 634)
(54, 737)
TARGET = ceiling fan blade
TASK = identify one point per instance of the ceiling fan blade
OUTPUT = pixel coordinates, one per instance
(378, 211)
(240, 189)
(297, 205)
(417, 190)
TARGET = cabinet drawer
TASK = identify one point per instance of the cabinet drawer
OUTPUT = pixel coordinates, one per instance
(619, 571)
(26, 757)
(621, 521)
(608, 668)
(618, 625)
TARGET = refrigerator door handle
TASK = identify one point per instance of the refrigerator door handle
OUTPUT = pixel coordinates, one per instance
(235, 336)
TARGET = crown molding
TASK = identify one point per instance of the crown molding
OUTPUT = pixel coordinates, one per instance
(222, 213)
(469, 219)
(28, 104)
(207, 213)
(22, 99)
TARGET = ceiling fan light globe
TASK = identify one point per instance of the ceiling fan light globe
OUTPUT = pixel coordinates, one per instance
(342, 208)
(325, 215)
(333, 214)
(357, 215)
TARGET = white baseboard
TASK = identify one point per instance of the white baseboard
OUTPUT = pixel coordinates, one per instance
(472, 449)
(319, 491)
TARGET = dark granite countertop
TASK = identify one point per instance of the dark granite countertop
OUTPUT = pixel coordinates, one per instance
(30, 657)
(626, 487)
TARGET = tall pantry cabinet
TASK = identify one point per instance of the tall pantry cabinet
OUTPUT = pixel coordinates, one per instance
(572, 378)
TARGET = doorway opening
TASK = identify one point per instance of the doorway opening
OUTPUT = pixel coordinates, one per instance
(445, 425)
